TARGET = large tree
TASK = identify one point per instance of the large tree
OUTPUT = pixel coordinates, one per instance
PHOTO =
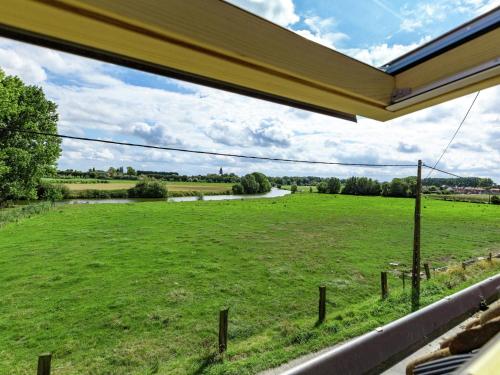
(25, 158)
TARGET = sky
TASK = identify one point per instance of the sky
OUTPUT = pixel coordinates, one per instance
(105, 101)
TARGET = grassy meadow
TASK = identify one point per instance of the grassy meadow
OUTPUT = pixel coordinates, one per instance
(204, 187)
(301, 189)
(472, 198)
(136, 288)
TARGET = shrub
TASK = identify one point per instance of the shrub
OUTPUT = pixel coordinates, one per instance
(333, 185)
(250, 184)
(262, 180)
(399, 187)
(329, 186)
(293, 188)
(495, 199)
(148, 189)
(322, 187)
(238, 189)
(99, 194)
(254, 183)
(51, 192)
(361, 186)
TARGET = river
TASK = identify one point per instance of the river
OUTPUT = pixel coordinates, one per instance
(274, 193)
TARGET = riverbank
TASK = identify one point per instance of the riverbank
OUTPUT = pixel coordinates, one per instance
(274, 193)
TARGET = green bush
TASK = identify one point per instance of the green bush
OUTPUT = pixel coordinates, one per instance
(495, 199)
(333, 185)
(361, 186)
(99, 194)
(52, 192)
(262, 180)
(250, 185)
(403, 187)
(148, 189)
(322, 187)
(255, 183)
(238, 189)
(293, 188)
(329, 186)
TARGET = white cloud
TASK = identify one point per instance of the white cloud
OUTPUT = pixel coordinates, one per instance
(18, 58)
(418, 15)
(476, 6)
(423, 14)
(13, 64)
(410, 24)
(321, 30)
(281, 12)
(382, 53)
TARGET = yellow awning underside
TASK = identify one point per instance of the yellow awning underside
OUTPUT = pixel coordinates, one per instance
(214, 43)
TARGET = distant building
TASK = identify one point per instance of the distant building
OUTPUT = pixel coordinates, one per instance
(471, 190)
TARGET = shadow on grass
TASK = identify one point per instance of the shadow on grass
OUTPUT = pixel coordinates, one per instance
(207, 361)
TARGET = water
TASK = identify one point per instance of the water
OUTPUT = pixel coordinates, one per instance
(274, 193)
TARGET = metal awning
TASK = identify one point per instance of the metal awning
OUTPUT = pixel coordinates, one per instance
(217, 44)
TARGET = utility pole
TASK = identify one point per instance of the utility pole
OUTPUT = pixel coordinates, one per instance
(415, 270)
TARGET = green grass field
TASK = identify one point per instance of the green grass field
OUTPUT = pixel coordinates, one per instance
(136, 288)
(301, 189)
(203, 187)
(473, 198)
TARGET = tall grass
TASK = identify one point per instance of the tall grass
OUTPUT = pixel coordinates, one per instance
(98, 194)
(14, 214)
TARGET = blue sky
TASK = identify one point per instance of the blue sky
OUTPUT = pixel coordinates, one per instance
(370, 22)
(110, 102)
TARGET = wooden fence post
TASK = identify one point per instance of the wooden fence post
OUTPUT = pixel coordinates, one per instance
(403, 276)
(383, 285)
(490, 256)
(223, 324)
(44, 364)
(427, 271)
(322, 304)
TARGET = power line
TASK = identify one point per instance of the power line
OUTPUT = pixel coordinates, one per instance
(440, 170)
(454, 135)
(213, 153)
(227, 154)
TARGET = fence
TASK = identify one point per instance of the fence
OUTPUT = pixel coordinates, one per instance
(44, 360)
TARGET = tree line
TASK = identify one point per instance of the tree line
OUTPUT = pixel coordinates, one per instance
(398, 187)
(129, 173)
(459, 182)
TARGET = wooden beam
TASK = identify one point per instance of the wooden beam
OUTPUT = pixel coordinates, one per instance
(207, 39)
(468, 55)
(214, 43)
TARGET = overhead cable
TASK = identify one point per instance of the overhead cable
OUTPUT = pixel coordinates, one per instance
(212, 153)
(372, 165)
(453, 137)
